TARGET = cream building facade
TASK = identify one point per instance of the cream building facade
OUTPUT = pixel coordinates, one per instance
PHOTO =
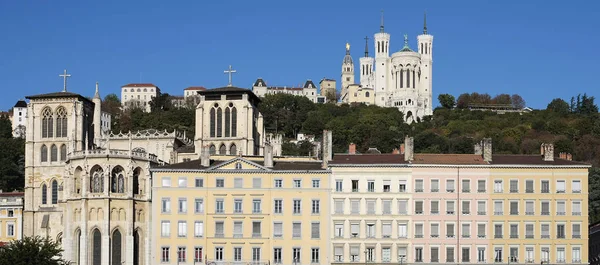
(139, 94)
(19, 119)
(308, 90)
(11, 216)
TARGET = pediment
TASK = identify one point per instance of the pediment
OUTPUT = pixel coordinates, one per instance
(238, 163)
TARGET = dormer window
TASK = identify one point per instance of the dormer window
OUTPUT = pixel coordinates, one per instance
(238, 165)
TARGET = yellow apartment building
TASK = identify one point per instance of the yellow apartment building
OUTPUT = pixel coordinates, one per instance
(11, 216)
(241, 210)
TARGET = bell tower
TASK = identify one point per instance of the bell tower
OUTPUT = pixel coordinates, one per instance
(347, 73)
(425, 42)
(382, 62)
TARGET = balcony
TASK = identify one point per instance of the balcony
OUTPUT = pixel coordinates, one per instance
(514, 236)
(480, 213)
(560, 191)
(545, 213)
(449, 260)
(498, 213)
(418, 236)
(387, 212)
(545, 236)
(450, 212)
(466, 190)
(466, 236)
(481, 191)
(354, 190)
(545, 191)
(560, 260)
(418, 190)
(435, 212)
(576, 236)
(402, 213)
(498, 190)
(256, 235)
(528, 190)
(278, 235)
(418, 212)
(560, 213)
(435, 236)
(237, 236)
(466, 212)
(498, 236)
(480, 236)
(576, 213)
(529, 213)
(577, 191)
(450, 190)
(576, 261)
(219, 235)
(435, 190)
(529, 236)
(514, 213)
(449, 236)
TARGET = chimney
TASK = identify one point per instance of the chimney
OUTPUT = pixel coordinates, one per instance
(327, 148)
(547, 151)
(569, 157)
(487, 149)
(205, 156)
(402, 149)
(268, 155)
(352, 149)
(477, 149)
(408, 148)
(395, 151)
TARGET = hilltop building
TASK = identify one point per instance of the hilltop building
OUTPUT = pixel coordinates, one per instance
(309, 90)
(19, 119)
(402, 80)
(138, 94)
(328, 90)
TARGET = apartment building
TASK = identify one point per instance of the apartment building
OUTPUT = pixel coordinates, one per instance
(458, 208)
(11, 216)
(241, 210)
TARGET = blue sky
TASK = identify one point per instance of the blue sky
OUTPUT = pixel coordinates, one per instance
(538, 49)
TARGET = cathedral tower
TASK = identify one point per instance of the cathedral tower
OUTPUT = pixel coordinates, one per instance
(347, 73)
(366, 68)
(382, 59)
(425, 42)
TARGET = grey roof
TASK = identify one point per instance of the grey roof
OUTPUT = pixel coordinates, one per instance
(260, 82)
(277, 165)
(231, 90)
(348, 59)
(59, 95)
(21, 104)
(309, 84)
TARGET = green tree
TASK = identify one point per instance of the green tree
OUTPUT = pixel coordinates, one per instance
(5, 127)
(12, 164)
(111, 104)
(517, 101)
(446, 100)
(32, 250)
(559, 106)
(161, 102)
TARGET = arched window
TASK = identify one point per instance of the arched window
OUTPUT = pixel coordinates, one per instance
(116, 248)
(366, 94)
(233, 149)
(77, 247)
(407, 78)
(233, 122)
(97, 180)
(96, 247)
(401, 78)
(222, 150)
(219, 122)
(136, 248)
(227, 122)
(54, 192)
(413, 79)
(212, 122)
(44, 153)
(53, 153)
(47, 122)
(212, 150)
(61, 122)
(136, 181)
(421, 48)
(63, 152)
(238, 165)
(44, 194)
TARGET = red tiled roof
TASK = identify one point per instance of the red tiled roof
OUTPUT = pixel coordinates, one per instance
(140, 85)
(3, 243)
(12, 194)
(284, 88)
(196, 88)
(368, 159)
(532, 160)
(449, 159)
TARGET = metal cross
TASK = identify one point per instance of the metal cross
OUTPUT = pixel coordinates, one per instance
(65, 76)
(229, 71)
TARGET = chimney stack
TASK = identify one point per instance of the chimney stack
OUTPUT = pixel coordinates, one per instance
(569, 156)
(547, 151)
(352, 149)
(486, 144)
(408, 148)
(327, 148)
(402, 149)
(268, 155)
(396, 151)
(477, 149)
(205, 156)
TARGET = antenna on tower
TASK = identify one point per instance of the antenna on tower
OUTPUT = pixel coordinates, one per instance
(425, 23)
(366, 46)
(381, 27)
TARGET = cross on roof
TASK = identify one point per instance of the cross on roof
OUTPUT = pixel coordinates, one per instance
(229, 71)
(65, 76)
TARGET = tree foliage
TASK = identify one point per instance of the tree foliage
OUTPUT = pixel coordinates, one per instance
(465, 100)
(447, 101)
(12, 158)
(32, 250)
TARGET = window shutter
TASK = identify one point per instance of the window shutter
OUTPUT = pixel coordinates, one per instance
(315, 230)
(402, 207)
(339, 251)
(387, 230)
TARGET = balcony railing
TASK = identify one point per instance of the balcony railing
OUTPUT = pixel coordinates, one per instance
(545, 236)
(545, 213)
(418, 236)
(514, 236)
(577, 236)
(481, 191)
(498, 236)
(529, 213)
(560, 213)
(498, 213)
(450, 190)
(466, 190)
(576, 213)
(418, 190)
(435, 190)
(480, 213)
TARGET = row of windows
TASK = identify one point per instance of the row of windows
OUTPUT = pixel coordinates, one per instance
(48, 119)
(238, 231)
(138, 90)
(53, 153)
(53, 192)
(238, 182)
(434, 186)
(217, 122)
(238, 207)
(372, 206)
(237, 255)
(467, 254)
(371, 229)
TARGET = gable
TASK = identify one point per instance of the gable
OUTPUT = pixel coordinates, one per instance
(238, 163)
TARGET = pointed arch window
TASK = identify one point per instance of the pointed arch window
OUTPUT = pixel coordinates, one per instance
(54, 192)
(53, 153)
(219, 122)
(222, 150)
(422, 48)
(96, 247)
(97, 180)
(44, 153)
(63, 152)
(136, 181)
(116, 248)
(227, 122)
(233, 122)
(212, 150)
(61, 122)
(47, 123)
(117, 180)
(212, 122)
(233, 149)
(44, 194)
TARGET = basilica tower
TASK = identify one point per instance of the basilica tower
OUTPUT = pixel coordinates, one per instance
(382, 59)
(425, 42)
(347, 73)
(366, 68)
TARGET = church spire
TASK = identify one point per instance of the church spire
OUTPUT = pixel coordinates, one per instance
(425, 23)
(381, 27)
(366, 46)
(97, 95)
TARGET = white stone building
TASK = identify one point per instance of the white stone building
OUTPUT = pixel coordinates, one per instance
(138, 95)
(402, 80)
(309, 90)
(19, 119)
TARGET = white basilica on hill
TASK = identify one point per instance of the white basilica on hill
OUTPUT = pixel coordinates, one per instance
(402, 80)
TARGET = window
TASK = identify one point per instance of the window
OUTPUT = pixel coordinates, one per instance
(278, 230)
(165, 254)
(338, 185)
(466, 230)
(513, 254)
(466, 207)
(237, 254)
(220, 183)
(450, 230)
(576, 186)
(354, 185)
(182, 205)
(181, 254)
(576, 230)
(63, 152)
(277, 255)
(278, 206)
(449, 207)
(480, 254)
(237, 206)
(560, 186)
(435, 255)
(11, 213)
(297, 183)
(402, 231)
(297, 206)
(560, 255)
(296, 256)
(256, 206)
(198, 229)
(498, 208)
(315, 230)
(497, 230)
(219, 253)
(418, 230)
(402, 254)
(44, 153)
(198, 254)
(166, 182)
(296, 230)
(545, 254)
(545, 231)
(481, 186)
(576, 254)
(182, 229)
(481, 208)
(370, 230)
(386, 230)
(387, 206)
(370, 186)
(529, 186)
(219, 206)
(498, 254)
(370, 254)
(355, 204)
(256, 229)
(514, 186)
(480, 230)
(182, 182)
(498, 186)
(386, 254)
(529, 255)
(514, 231)
(370, 206)
(435, 230)
(560, 231)
(419, 185)
(165, 228)
(279, 183)
(316, 206)
(514, 208)
(387, 185)
(402, 186)
(418, 207)
(47, 123)
(402, 207)
(219, 229)
(450, 185)
(560, 208)
(529, 231)
(316, 183)
(54, 192)
(199, 183)
(545, 186)
(338, 230)
(466, 185)
(466, 254)
(529, 208)
(354, 227)
(418, 254)
(449, 254)
(545, 208)
(166, 205)
(199, 205)
(256, 183)
(238, 183)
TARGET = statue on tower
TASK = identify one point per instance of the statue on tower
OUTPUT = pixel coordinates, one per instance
(347, 47)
